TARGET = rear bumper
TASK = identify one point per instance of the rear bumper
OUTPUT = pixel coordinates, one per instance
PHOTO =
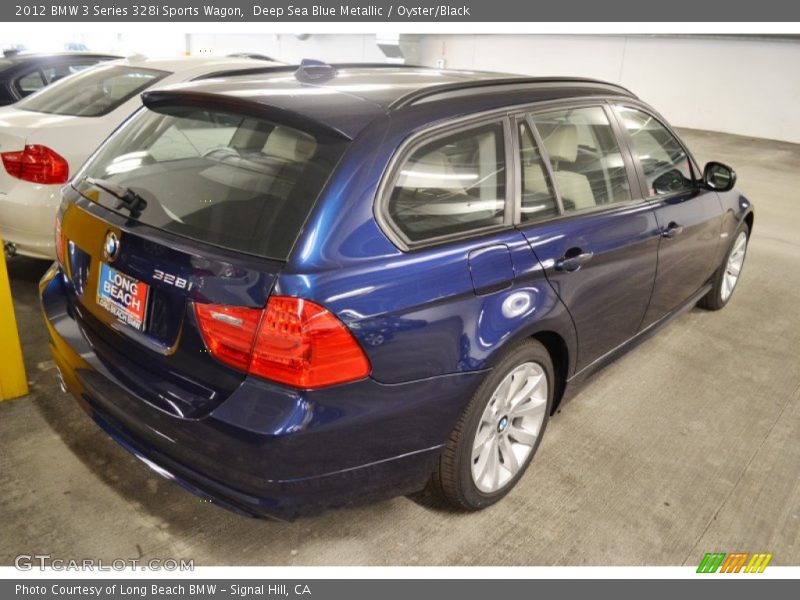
(27, 216)
(268, 450)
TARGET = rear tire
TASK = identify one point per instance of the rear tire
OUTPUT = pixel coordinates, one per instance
(727, 275)
(499, 431)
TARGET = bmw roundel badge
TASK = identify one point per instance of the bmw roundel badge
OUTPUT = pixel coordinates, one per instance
(111, 247)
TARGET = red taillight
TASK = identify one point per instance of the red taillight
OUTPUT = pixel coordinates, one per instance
(301, 344)
(61, 241)
(228, 332)
(37, 164)
(292, 341)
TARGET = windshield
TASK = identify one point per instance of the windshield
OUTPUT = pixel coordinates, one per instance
(232, 180)
(93, 92)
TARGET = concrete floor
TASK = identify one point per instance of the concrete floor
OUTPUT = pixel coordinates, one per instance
(690, 443)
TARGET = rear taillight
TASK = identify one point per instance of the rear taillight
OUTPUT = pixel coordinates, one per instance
(228, 332)
(37, 164)
(292, 341)
(61, 241)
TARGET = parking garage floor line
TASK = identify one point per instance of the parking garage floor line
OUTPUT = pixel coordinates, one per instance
(686, 445)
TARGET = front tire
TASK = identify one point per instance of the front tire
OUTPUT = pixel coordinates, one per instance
(499, 431)
(727, 276)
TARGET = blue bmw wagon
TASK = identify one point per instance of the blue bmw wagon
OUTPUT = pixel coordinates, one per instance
(322, 284)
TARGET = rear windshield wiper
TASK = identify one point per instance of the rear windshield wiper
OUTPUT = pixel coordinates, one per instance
(127, 197)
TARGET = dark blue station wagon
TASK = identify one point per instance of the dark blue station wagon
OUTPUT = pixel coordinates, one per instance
(317, 285)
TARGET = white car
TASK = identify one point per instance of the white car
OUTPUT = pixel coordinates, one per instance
(46, 137)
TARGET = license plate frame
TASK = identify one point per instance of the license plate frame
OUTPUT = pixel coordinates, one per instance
(123, 296)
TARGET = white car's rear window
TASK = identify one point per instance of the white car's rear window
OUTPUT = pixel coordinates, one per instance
(93, 92)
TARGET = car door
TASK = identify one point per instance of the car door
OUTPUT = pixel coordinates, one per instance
(690, 218)
(586, 223)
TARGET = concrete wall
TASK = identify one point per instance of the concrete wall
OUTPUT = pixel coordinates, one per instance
(734, 85)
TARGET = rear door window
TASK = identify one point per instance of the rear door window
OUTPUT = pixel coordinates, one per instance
(455, 184)
(538, 200)
(585, 156)
(237, 181)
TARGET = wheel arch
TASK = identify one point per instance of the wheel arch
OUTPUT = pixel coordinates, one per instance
(558, 350)
(749, 218)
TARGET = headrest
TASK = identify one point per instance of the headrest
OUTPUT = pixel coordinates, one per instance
(562, 143)
(289, 145)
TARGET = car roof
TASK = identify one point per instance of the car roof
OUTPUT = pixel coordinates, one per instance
(353, 95)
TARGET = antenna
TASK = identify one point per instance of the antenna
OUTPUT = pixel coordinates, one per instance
(311, 71)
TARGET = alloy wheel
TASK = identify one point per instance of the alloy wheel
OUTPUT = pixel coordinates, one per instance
(734, 266)
(509, 427)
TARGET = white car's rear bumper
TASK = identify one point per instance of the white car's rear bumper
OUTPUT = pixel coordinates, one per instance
(27, 218)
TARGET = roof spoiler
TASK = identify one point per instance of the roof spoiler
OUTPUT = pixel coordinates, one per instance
(159, 100)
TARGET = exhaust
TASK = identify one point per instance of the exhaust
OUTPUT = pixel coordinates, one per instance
(9, 249)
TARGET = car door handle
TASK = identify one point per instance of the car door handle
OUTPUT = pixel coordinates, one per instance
(672, 230)
(573, 260)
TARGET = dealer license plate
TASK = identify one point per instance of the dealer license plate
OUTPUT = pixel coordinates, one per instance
(122, 296)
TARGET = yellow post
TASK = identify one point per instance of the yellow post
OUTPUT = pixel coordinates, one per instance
(13, 382)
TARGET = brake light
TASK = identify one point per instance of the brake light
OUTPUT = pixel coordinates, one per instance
(61, 241)
(228, 332)
(292, 341)
(301, 344)
(37, 164)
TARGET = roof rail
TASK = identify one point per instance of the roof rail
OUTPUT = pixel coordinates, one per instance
(429, 93)
(294, 68)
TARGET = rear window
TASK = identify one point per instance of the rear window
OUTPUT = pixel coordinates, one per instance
(240, 182)
(94, 92)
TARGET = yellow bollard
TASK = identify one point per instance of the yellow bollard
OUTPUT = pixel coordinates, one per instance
(13, 382)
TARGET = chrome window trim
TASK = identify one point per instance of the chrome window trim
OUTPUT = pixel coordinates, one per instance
(431, 132)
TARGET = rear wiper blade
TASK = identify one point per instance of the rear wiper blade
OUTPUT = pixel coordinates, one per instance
(127, 197)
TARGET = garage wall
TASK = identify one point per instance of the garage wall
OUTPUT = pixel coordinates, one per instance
(734, 85)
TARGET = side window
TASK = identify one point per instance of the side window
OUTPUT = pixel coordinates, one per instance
(538, 200)
(454, 184)
(585, 157)
(666, 166)
(30, 82)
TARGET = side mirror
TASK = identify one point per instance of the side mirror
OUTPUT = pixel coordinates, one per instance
(718, 177)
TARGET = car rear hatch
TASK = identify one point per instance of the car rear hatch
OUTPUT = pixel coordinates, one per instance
(186, 207)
